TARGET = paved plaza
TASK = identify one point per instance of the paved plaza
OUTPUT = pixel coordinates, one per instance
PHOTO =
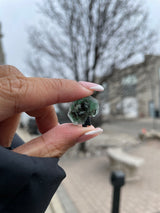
(88, 186)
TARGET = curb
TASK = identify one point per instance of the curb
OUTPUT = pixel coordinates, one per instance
(55, 205)
(62, 202)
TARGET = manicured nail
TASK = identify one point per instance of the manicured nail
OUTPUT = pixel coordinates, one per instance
(94, 132)
(92, 86)
(90, 134)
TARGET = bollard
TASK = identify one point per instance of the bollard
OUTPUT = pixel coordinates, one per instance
(117, 180)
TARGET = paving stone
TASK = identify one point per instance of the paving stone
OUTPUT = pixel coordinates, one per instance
(89, 188)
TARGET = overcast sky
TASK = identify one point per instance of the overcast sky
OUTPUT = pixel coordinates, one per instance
(17, 15)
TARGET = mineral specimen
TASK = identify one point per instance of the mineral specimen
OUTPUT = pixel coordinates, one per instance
(82, 109)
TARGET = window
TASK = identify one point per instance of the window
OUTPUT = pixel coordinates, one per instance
(128, 85)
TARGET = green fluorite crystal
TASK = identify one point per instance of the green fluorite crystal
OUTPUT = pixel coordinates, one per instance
(83, 108)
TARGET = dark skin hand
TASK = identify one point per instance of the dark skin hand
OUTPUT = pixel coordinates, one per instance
(36, 97)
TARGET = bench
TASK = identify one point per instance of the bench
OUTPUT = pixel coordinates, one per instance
(123, 161)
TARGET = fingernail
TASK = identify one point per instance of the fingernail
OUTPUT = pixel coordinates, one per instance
(89, 135)
(92, 86)
(93, 132)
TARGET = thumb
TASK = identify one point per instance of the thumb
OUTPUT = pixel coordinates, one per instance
(58, 140)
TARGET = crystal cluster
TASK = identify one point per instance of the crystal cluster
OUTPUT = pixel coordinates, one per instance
(83, 108)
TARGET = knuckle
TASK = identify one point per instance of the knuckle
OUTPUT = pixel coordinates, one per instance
(19, 89)
(16, 85)
(13, 70)
(13, 88)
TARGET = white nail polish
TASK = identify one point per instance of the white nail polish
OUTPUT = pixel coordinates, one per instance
(94, 132)
(92, 86)
(97, 88)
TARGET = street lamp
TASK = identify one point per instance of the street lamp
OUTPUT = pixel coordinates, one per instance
(117, 180)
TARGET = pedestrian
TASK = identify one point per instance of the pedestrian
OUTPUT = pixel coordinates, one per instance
(29, 172)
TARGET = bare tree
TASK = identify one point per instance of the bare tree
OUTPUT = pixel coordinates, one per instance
(89, 39)
(84, 39)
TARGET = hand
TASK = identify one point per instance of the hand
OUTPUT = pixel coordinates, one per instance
(36, 97)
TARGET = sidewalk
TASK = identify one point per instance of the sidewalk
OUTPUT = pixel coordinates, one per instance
(55, 206)
(87, 183)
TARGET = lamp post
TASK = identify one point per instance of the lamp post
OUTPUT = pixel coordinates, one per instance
(117, 180)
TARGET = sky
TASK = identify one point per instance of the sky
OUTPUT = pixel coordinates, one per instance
(16, 17)
(154, 9)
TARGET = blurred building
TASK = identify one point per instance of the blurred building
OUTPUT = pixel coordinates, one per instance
(2, 56)
(135, 90)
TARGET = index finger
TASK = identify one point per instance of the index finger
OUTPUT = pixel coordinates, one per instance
(36, 92)
(21, 94)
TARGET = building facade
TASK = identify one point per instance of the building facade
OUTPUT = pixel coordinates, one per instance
(135, 90)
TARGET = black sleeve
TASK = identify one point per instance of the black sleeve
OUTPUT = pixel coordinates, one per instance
(17, 141)
(27, 184)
